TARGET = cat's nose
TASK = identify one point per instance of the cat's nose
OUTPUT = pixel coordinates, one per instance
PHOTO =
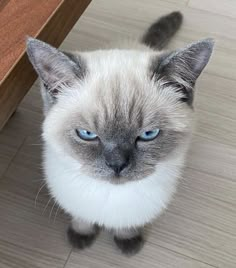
(117, 166)
(117, 159)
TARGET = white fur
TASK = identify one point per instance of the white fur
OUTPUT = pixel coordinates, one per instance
(93, 200)
(132, 204)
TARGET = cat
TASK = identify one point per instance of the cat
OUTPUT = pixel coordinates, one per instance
(117, 126)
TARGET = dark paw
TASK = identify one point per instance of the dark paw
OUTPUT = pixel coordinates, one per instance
(130, 246)
(80, 241)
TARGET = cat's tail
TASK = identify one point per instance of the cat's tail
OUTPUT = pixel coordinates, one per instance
(161, 31)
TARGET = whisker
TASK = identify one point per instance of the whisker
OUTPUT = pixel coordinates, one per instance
(56, 213)
(40, 189)
(52, 210)
(36, 144)
(47, 205)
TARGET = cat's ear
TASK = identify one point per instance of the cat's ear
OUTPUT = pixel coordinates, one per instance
(184, 66)
(55, 68)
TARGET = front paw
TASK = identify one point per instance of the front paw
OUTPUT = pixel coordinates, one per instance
(130, 246)
(80, 241)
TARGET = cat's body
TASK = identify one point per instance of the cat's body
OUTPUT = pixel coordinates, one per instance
(117, 127)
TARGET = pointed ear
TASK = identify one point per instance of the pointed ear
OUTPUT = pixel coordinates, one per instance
(54, 67)
(183, 67)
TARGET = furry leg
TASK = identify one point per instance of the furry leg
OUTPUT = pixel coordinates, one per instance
(129, 241)
(82, 234)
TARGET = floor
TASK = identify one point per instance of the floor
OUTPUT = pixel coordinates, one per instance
(199, 227)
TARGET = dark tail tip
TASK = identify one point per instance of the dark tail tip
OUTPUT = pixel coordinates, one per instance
(161, 31)
(177, 17)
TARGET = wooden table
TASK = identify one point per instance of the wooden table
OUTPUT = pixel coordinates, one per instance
(48, 20)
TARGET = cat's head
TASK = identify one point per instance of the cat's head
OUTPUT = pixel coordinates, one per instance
(118, 113)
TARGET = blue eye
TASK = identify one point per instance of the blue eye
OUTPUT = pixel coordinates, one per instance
(149, 135)
(86, 135)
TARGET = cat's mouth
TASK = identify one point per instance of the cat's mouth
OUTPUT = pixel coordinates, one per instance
(119, 179)
(127, 175)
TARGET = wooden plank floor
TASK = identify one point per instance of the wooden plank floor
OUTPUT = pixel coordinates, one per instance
(199, 227)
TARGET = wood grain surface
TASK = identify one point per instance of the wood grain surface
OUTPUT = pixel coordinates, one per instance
(18, 19)
(47, 20)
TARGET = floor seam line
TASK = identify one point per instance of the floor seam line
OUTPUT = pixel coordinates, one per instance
(13, 157)
(68, 257)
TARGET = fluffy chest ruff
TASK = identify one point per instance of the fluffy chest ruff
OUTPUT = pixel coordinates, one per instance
(132, 204)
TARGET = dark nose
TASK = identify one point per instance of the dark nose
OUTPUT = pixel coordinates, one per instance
(117, 159)
(117, 166)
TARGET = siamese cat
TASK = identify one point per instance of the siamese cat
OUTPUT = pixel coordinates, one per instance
(117, 126)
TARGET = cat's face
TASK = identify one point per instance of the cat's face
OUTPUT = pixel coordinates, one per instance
(117, 119)
(119, 125)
